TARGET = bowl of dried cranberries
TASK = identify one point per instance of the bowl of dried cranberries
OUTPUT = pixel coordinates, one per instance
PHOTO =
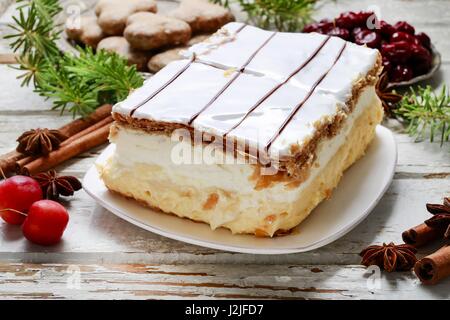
(408, 56)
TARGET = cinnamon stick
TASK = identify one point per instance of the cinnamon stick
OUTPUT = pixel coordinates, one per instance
(421, 235)
(90, 129)
(8, 161)
(80, 124)
(68, 151)
(435, 267)
(21, 163)
(15, 161)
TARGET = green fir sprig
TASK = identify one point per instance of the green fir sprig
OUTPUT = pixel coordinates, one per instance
(426, 113)
(78, 84)
(34, 28)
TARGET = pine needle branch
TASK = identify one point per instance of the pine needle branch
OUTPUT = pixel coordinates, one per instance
(426, 113)
(107, 72)
(76, 84)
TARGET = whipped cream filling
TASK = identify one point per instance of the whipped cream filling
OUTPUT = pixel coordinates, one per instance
(163, 152)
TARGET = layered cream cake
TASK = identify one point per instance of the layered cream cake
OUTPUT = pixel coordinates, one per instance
(250, 132)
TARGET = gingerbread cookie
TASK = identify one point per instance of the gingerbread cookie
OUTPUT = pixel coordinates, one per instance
(85, 30)
(202, 16)
(160, 60)
(121, 46)
(148, 31)
(113, 14)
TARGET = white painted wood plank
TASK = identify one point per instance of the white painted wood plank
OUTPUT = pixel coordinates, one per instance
(208, 282)
(4, 6)
(185, 271)
(17, 100)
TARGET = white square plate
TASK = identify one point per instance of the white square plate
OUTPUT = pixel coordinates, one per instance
(360, 189)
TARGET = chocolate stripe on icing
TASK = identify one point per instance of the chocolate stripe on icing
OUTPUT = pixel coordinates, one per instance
(257, 51)
(295, 110)
(175, 76)
(240, 28)
(166, 84)
(214, 98)
(278, 86)
(241, 69)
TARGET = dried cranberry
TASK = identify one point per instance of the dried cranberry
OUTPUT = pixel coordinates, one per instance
(387, 65)
(404, 27)
(312, 27)
(421, 68)
(348, 20)
(398, 52)
(369, 38)
(418, 52)
(325, 27)
(320, 27)
(401, 73)
(325, 20)
(340, 32)
(363, 17)
(386, 29)
(424, 39)
(421, 59)
(356, 30)
(403, 36)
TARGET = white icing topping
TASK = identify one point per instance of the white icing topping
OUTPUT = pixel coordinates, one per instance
(150, 85)
(173, 103)
(233, 104)
(213, 96)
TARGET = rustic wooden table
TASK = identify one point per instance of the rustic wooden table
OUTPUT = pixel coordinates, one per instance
(103, 257)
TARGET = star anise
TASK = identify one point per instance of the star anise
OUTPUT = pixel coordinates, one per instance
(53, 185)
(390, 257)
(388, 97)
(441, 216)
(39, 141)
